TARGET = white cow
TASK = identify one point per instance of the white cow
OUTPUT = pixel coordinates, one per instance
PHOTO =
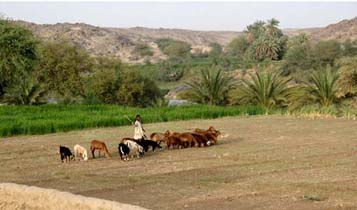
(134, 147)
(80, 151)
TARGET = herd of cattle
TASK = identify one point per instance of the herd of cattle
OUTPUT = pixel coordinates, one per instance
(130, 147)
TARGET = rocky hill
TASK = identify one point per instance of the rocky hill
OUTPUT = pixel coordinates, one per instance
(121, 42)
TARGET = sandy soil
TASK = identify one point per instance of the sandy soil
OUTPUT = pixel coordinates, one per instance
(15, 196)
(266, 162)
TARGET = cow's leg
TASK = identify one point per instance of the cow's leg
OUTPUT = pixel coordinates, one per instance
(93, 153)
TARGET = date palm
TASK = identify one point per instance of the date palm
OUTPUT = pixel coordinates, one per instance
(322, 88)
(211, 86)
(266, 89)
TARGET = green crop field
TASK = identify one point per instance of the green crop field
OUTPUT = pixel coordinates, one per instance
(20, 120)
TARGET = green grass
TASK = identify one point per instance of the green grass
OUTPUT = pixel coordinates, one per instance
(27, 120)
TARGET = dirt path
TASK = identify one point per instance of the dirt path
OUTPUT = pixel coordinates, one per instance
(266, 162)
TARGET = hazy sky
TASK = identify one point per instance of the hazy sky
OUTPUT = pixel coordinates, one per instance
(187, 15)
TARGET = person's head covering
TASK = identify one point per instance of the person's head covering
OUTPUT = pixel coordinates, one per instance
(138, 117)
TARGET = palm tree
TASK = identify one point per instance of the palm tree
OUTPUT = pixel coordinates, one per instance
(267, 47)
(266, 89)
(272, 27)
(322, 87)
(211, 87)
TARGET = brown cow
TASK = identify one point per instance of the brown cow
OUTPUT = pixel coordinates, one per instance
(100, 146)
(158, 137)
(185, 139)
(211, 134)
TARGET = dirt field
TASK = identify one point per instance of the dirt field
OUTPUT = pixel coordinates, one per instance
(266, 162)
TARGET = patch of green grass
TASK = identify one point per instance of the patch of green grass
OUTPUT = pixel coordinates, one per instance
(27, 120)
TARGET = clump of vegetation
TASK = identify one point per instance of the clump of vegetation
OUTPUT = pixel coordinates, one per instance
(261, 41)
(211, 87)
(18, 55)
(174, 48)
(267, 89)
(143, 50)
(320, 89)
(171, 70)
(347, 81)
(62, 67)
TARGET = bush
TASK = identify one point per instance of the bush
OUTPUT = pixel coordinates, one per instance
(143, 50)
(171, 70)
(136, 90)
(174, 48)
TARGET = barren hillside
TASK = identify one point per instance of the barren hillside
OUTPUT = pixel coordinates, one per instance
(121, 42)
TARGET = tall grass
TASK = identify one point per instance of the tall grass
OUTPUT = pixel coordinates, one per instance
(20, 120)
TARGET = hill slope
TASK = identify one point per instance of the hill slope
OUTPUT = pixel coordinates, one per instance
(121, 42)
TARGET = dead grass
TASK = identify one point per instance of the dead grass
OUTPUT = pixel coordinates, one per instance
(266, 162)
(14, 197)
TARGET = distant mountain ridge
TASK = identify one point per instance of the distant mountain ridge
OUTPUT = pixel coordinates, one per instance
(121, 42)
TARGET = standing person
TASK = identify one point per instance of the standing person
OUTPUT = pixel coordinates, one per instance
(139, 130)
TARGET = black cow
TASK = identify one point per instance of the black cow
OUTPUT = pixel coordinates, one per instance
(146, 143)
(123, 151)
(65, 153)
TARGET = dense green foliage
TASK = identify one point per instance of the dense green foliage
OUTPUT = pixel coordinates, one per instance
(174, 48)
(211, 87)
(62, 67)
(347, 82)
(34, 72)
(17, 54)
(267, 89)
(17, 120)
(320, 89)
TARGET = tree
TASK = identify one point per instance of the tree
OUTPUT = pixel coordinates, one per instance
(26, 92)
(178, 49)
(211, 87)
(238, 46)
(171, 70)
(136, 90)
(62, 67)
(299, 55)
(17, 54)
(174, 48)
(347, 81)
(326, 52)
(266, 89)
(266, 41)
(216, 50)
(255, 30)
(350, 48)
(105, 81)
(320, 89)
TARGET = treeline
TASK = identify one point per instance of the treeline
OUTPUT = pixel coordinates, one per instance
(36, 72)
(296, 73)
(281, 72)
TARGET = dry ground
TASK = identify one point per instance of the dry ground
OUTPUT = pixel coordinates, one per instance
(267, 162)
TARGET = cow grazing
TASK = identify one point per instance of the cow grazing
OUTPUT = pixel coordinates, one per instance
(124, 151)
(80, 152)
(211, 134)
(158, 137)
(201, 139)
(100, 146)
(185, 139)
(134, 148)
(146, 143)
(65, 153)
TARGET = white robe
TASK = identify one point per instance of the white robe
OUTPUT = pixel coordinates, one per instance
(138, 132)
